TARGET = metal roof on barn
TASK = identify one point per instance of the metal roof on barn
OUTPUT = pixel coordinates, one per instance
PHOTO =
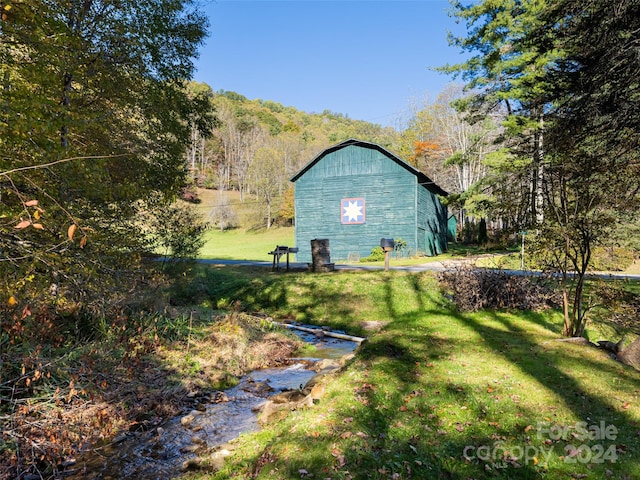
(422, 178)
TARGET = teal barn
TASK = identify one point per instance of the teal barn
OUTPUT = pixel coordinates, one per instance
(355, 193)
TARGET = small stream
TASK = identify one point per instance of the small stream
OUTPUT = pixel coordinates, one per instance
(162, 452)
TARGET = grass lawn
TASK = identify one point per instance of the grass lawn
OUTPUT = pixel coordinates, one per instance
(435, 393)
(240, 244)
(251, 241)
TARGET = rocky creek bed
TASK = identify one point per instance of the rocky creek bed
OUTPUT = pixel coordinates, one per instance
(181, 443)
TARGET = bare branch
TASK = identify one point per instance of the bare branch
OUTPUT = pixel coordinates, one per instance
(64, 160)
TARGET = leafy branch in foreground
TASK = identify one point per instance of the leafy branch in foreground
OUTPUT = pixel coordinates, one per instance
(95, 118)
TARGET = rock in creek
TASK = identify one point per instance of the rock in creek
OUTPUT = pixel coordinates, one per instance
(288, 396)
(260, 389)
(219, 397)
(212, 463)
(192, 449)
(326, 366)
(187, 420)
(292, 400)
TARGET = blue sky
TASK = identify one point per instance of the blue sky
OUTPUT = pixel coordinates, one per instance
(368, 59)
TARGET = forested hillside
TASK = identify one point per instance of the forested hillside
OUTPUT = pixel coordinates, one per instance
(257, 145)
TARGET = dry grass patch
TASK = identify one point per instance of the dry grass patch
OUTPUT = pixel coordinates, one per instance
(227, 348)
(102, 389)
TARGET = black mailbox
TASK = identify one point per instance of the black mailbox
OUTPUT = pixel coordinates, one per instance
(387, 244)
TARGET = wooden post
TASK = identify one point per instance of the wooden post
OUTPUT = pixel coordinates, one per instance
(275, 254)
(387, 245)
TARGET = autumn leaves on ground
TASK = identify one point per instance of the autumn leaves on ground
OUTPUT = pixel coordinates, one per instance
(433, 393)
(142, 370)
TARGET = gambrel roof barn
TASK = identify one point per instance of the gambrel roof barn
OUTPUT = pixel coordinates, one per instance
(355, 193)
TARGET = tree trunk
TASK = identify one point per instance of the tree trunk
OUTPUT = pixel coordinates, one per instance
(268, 213)
(64, 101)
(567, 329)
(578, 307)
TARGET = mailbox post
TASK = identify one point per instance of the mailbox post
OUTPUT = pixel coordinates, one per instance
(387, 245)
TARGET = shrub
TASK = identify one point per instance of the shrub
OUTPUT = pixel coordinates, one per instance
(475, 289)
(190, 194)
(224, 216)
(617, 307)
(177, 233)
(400, 247)
(377, 255)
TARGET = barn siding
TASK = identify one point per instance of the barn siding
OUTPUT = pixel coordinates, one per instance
(396, 206)
(432, 221)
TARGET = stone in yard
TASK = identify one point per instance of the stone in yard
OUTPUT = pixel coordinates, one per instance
(631, 354)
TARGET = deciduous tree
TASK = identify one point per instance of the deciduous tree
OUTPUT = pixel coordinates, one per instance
(94, 121)
(593, 175)
(269, 177)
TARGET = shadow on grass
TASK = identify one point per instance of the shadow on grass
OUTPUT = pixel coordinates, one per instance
(394, 424)
(521, 349)
(407, 414)
(397, 422)
(406, 432)
(549, 374)
(326, 298)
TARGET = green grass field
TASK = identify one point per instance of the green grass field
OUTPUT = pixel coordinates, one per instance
(239, 244)
(250, 241)
(435, 393)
